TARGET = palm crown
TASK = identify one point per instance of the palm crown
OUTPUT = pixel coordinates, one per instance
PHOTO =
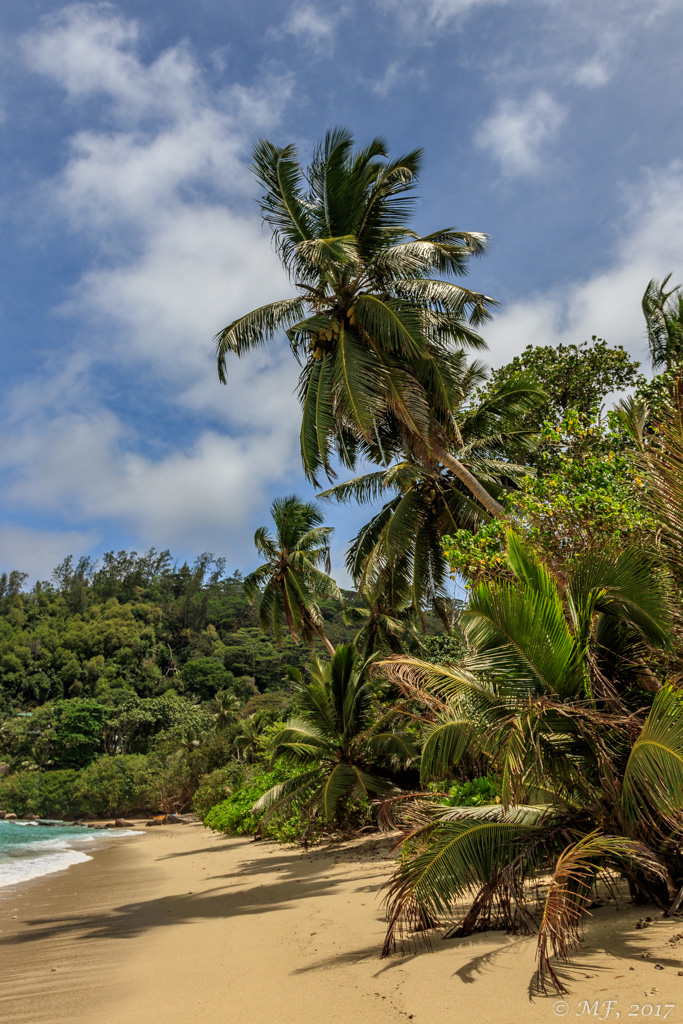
(344, 748)
(663, 311)
(290, 582)
(380, 339)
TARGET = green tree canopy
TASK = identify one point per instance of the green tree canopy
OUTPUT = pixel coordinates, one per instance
(573, 377)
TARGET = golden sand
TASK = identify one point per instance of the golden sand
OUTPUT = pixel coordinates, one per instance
(186, 926)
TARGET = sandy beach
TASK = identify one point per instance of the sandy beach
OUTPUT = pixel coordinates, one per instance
(183, 925)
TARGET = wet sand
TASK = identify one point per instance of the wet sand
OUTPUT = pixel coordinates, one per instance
(186, 926)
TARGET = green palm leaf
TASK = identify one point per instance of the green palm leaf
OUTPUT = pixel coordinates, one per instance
(653, 779)
(445, 745)
(255, 329)
(359, 383)
(461, 857)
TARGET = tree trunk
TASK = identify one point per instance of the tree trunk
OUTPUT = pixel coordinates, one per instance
(470, 482)
(318, 630)
(323, 636)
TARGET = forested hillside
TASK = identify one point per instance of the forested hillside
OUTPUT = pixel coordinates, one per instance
(139, 625)
(124, 683)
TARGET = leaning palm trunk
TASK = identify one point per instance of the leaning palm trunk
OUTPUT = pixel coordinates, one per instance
(316, 628)
(463, 474)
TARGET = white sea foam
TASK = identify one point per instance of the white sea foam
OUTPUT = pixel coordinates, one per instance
(30, 860)
(21, 866)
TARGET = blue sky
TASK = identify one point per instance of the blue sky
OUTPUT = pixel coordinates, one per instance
(130, 232)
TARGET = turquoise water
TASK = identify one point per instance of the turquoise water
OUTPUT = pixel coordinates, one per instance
(29, 851)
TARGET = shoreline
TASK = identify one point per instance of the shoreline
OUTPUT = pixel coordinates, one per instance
(187, 925)
(40, 851)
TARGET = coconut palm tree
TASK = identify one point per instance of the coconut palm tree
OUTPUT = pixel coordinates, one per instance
(380, 339)
(290, 582)
(399, 554)
(344, 743)
(227, 708)
(382, 627)
(663, 311)
(591, 766)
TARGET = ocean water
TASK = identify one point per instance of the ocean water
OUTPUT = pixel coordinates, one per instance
(29, 851)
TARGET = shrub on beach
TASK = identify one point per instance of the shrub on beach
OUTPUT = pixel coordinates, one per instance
(217, 786)
(119, 785)
(235, 815)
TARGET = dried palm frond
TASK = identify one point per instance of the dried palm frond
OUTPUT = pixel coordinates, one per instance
(571, 893)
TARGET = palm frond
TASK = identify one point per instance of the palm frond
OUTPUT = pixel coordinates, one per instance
(460, 857)
(445, 745)
(571, 892)
(255, 329)
(653, 778)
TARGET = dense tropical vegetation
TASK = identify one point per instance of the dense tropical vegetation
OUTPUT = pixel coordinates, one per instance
(526, 737)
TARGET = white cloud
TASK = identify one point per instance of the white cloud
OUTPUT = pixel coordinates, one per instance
(440, 13)
(90, 50)
(159, 186)
(311, 25)
(518, 134)
(38, 552)
(435, 14)
(397, 73)
(593, 73)
(203, 495)
(382, 86)
(606, 304)
(582, 43)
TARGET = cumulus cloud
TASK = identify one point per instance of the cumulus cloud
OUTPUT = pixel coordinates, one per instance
(518, 133)
(157, 182)
(311, 25)
(201, 496)
(607, 303)
(38, 552)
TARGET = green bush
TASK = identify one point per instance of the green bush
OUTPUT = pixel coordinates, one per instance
(47, 794)
(115, 785)
(216, 787)
(111, 786)
(234, 816)
(476, 793)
